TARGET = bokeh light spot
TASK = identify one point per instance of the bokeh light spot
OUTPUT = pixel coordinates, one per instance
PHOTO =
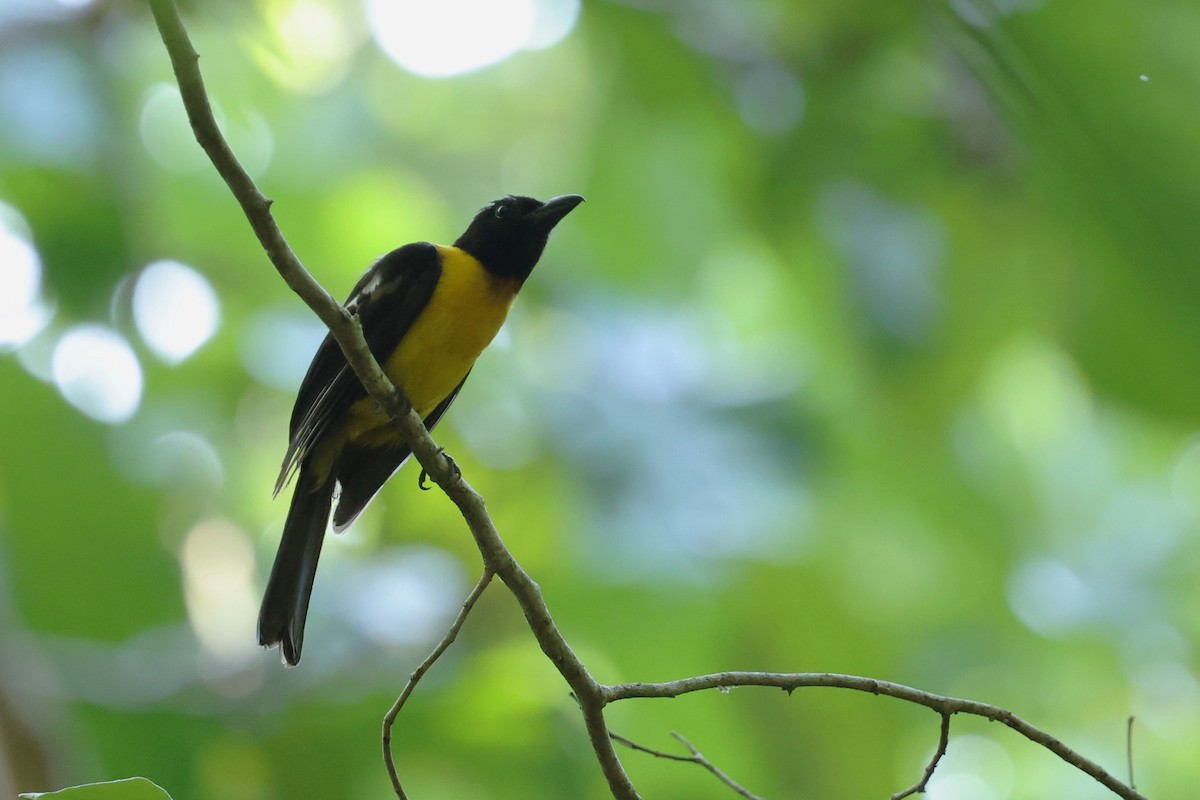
(22, 311)
(187, 458)
(973, 767)
(307, 47)
(1049, 597)
(437, 40)
(278, 345)
(552, 21)
(1034, 394)
(448, 38)
(770, 99)
(96, 370)
(218, 573)
(152, 450)
(420, 587)
(175, 309)
(166, 133)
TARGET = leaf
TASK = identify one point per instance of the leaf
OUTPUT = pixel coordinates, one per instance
(127, 789)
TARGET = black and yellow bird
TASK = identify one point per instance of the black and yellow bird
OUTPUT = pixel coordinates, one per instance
(427, 312)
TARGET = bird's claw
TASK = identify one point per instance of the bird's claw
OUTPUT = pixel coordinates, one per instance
(454, 470)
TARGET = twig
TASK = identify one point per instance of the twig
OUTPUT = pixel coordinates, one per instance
(943, 743)
(419, 673)
(1129, 750)
(696, 757)
(641, 748)
(942, 704)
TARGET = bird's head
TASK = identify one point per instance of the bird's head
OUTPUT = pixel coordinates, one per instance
(508, 235)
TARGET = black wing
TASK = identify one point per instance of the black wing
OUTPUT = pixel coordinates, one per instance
(387, 299)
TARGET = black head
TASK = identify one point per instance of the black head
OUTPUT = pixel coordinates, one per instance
(509, 234)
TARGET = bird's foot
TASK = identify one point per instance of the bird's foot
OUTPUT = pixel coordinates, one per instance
(454, 470)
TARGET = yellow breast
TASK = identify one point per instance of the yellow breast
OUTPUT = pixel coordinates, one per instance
(462, 317)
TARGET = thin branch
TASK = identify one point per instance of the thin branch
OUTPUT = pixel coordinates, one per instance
(419, 673)
(708, 765)
(1129, 750)
(641, 748)
(942, 704)
(696, 757)
(943, 743)
(346, 330)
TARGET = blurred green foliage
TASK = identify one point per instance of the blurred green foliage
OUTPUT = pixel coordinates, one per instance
(874, 350)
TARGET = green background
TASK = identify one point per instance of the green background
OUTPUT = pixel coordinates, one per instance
(874, 350)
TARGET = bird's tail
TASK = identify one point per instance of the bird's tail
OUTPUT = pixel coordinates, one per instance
(285, 602)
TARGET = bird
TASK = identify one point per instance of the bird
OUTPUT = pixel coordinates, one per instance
(427, 312)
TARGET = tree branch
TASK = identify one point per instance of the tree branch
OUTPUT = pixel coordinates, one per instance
(696, 757)
(348, 333)
(419, 673)
(943, 743)
(946, 706)
(1129, 750)
(591, 695)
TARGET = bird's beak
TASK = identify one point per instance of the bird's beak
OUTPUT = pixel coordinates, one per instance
(554, 209)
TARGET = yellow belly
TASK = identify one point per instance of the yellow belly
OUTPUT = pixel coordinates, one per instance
(462, 317)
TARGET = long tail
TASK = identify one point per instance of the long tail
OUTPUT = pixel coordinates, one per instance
(285, 602)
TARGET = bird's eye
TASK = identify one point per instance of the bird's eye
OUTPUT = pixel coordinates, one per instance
(501, 210)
